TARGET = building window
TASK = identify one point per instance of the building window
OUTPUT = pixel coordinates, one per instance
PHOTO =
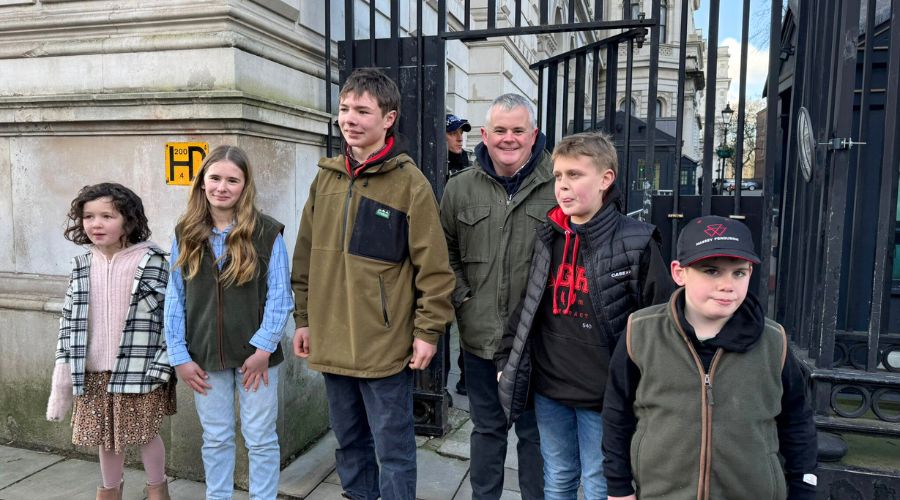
(624, 106)
(633, 9)
(685, 178)
(663, 18)
(659, 108)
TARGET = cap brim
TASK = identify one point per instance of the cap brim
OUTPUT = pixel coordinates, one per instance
(456, 126)
(734, 254)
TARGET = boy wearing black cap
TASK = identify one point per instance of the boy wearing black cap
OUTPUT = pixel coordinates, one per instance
(703, 394)
(457, 159)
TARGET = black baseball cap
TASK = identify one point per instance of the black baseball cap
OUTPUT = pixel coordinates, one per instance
(712, 236)
(454, 122)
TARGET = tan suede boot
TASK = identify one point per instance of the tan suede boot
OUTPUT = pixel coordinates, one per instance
(110, 493)
(158, 491)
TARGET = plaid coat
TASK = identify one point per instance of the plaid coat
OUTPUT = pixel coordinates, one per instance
(142, 363)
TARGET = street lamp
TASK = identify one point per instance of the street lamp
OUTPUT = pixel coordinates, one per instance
(724, 151)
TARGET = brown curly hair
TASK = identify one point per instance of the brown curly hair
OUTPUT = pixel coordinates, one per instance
(128, 204)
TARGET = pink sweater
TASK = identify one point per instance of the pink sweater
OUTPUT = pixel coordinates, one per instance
(111, 283)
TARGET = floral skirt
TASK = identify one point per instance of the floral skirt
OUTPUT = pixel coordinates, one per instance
(115, 421)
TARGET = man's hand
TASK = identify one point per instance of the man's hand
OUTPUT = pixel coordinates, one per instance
(498, 376)
(191, 374)
(422, 354)
(301, 342)
(254, 369)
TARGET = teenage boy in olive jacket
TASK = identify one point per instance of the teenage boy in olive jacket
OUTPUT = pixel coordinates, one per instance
(489, 213)
(372, 289)
(704, 398)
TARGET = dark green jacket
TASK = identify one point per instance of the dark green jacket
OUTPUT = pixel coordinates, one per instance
(698, 436)
(490, 238)
(220, 320)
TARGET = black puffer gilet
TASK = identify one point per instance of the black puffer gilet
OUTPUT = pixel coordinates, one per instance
(611, 246)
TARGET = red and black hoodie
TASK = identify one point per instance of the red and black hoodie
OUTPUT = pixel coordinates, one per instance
(571, 353)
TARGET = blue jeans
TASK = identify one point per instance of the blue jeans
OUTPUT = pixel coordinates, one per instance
(491, 433)
(372, 420)
(570, 443)
(259, 411)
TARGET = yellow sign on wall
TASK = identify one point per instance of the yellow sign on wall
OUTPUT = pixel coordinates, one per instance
(183, 161)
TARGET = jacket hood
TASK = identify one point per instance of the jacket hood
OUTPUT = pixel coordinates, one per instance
(739, 334)
(380, 162)
(142, 246)
(512, 184)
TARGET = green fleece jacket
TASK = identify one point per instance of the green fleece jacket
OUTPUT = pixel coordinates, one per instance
(370, 268)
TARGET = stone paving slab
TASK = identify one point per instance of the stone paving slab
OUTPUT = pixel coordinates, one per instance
(17, 464)
(465, 489)
(70, 480)
(326, 491)
(333, 479)
(456, 444)
(301, 477)
(438, 478)
(512, 456)
(182, 489)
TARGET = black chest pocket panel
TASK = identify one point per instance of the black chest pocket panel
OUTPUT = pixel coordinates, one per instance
(379, 232)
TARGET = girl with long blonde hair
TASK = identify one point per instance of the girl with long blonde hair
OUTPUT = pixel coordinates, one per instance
(227, 303)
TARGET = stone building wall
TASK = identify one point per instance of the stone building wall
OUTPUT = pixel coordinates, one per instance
(92, 91)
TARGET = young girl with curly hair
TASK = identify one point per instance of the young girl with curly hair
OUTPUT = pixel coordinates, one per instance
(111, 351)
(226, 305)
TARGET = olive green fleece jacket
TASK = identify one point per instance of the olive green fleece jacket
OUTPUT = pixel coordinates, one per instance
(490, 236)
(370, 268)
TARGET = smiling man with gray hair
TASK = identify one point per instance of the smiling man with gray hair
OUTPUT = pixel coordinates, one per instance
(489, 214)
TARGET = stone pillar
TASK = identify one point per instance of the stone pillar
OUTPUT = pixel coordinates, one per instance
(91, 91)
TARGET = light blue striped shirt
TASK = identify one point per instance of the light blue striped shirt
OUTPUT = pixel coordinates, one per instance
(279, 302)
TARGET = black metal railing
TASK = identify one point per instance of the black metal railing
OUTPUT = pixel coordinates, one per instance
(827, 243)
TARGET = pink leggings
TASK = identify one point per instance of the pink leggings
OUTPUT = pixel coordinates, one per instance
(153, 454)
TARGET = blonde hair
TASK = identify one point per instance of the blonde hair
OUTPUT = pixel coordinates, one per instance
(595, 145)
(195, 224)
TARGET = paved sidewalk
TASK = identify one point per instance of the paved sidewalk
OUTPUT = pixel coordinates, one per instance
(443, 468)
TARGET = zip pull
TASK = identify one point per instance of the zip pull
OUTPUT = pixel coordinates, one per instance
(709, 394)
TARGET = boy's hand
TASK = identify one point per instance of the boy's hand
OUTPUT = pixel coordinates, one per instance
(191, 374)
(498, 376)
(255, 368)
(301, 342)
(629, 497)
(422, 354)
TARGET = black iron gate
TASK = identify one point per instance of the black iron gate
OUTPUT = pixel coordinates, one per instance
(835, 154)
(417, 63)
(827, 242)
(839, 230)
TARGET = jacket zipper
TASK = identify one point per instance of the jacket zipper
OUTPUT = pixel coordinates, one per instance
(346, 213)
(527, 189)
(387, 322)
(706, 403)
(708, 378)
(108, 312)
(220, 312)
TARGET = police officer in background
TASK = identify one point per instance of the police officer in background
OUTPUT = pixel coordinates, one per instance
(457, 159)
